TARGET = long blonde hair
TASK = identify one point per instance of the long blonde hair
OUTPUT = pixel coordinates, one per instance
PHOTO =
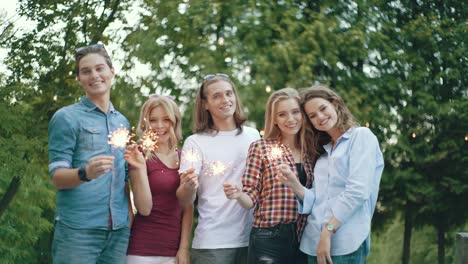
(202, 119)
(317, 139)
(173, 112)
(272, 132)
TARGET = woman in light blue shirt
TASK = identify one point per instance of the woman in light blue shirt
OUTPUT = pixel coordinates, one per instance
(347, 174)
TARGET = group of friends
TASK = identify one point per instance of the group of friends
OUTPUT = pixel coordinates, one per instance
(304, 193)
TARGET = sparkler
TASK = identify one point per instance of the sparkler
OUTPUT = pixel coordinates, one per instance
(148, 142)
(119, 138)
(276, 152)
(274, 155)
(218, 168)
(191, 156)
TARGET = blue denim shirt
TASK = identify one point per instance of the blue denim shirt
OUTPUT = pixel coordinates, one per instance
(346, 185)
(78, 133)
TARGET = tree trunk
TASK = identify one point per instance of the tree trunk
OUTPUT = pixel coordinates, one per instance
(407, 236)
(441, 243)
(9, 194)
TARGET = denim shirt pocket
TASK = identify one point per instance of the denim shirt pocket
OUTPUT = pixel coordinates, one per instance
(93, 137)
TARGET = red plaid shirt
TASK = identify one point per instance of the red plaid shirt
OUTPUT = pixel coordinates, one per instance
(274, 202)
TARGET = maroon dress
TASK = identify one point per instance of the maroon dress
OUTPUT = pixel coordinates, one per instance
(159, 233)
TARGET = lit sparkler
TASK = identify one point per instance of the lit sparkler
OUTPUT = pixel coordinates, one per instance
(191, 156)
(276, 152)
(119, 138)
(148, 142)
(218, 168)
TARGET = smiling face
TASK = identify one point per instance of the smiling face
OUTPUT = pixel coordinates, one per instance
(220, 101)
(322, 114)
(95, 76)
(288, 117)
(160, 124)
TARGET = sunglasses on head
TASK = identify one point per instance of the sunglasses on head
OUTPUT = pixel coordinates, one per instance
(94, 46)
(211, 76)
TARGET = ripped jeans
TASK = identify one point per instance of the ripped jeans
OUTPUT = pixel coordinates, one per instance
(273, 245)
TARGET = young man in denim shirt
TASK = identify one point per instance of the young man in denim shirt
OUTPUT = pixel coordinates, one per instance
(92, 213)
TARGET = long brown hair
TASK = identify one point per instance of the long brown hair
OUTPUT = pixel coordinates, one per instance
(202, 119)
(272, 132)
(317, 139)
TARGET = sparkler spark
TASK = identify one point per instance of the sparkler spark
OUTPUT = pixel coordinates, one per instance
(148, 141)
(119, 138)
(191, 156)
(275, 153)
(218, 168)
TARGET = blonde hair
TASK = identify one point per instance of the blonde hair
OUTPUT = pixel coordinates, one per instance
(272, 132)
(202, 119)
(172, 111)
(345, 120)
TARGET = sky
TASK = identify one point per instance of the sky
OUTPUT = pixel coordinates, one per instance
(9, 7)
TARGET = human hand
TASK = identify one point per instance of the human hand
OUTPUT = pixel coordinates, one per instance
(134, 157)
(323, 248)
(182, 256)
(99, 165)
(232, 191)
(287, 177)
(189, 179)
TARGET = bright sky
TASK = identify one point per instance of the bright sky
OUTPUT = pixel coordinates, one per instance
(9, 6)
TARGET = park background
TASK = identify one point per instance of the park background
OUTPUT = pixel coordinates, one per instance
(401, 66)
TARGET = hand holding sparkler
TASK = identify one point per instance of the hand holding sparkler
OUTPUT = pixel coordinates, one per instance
(134, 157)
(232, 191)
(99, 165)
(189, 179)
(287, 177)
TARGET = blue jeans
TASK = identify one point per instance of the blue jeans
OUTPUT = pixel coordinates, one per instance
(76, 246)
(270, 245)
(356, 257)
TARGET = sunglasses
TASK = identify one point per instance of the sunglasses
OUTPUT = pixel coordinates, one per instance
(170, 97)
(212, 76)
(94, 46)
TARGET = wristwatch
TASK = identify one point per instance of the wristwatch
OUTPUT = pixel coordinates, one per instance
(82, 174)
(331, 228)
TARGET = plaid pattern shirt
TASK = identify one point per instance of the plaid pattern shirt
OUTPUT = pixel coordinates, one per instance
(274, 202)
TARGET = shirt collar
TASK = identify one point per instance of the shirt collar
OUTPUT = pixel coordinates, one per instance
(90, 106)
(345, 135)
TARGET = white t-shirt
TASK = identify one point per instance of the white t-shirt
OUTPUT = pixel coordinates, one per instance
(219, 158)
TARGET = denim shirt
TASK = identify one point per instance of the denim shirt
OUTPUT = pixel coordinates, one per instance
(346, 185)
(78, 133)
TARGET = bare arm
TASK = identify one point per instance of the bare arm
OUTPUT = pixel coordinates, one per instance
(188, 187)
(183, 254)
(232, 191)
(324, 246)
(131, 216)
(139, 179)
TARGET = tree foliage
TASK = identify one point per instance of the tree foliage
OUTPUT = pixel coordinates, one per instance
(399, 66)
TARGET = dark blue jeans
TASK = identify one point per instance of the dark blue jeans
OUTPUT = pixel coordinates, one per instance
(356, 257)
(270, 245)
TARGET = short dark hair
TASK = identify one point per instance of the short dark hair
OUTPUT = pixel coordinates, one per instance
(95, 48)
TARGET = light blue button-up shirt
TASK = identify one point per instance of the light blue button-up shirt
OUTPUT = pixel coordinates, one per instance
(78, 133)
(346, 185)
